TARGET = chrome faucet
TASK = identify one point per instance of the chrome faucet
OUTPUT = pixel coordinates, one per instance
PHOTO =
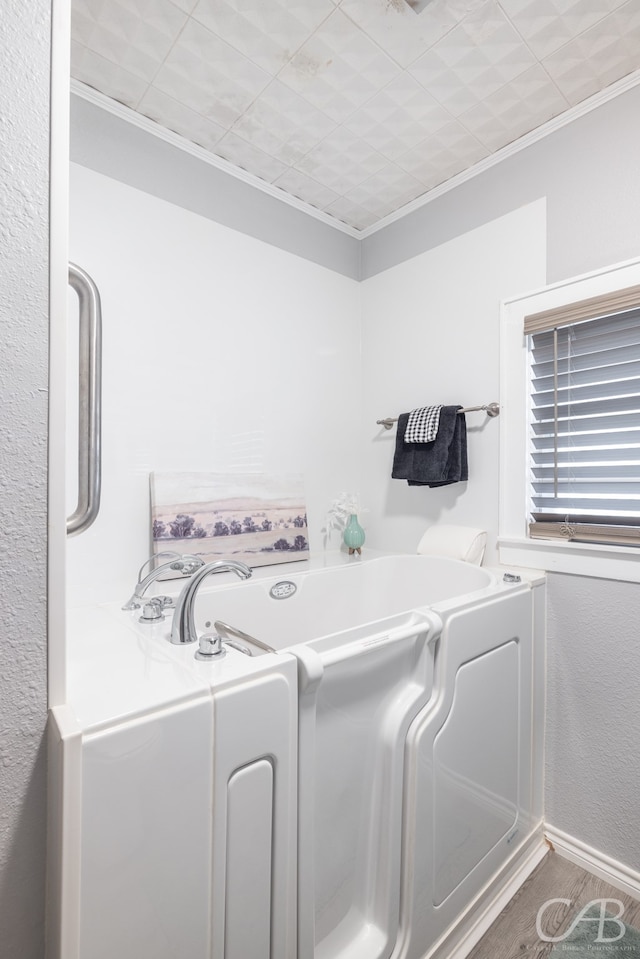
(183, 628)
(185, 564)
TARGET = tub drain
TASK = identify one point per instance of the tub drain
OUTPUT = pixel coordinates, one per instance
(282, 590)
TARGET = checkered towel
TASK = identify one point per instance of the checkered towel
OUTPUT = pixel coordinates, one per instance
(422, 425)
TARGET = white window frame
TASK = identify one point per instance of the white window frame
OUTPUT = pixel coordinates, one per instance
(515, 546)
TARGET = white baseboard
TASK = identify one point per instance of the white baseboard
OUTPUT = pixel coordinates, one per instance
(483, 913)
(458, 943)
(624, 878)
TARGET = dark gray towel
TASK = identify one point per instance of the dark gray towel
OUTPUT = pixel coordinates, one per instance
(439, 463)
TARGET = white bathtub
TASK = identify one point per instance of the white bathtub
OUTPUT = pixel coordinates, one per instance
(367, 779)
(336, 599)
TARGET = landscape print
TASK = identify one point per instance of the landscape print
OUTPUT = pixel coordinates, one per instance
(250, 517)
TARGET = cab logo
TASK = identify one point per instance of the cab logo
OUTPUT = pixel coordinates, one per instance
(596, 913)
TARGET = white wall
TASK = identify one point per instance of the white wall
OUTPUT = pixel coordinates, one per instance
(431, 335)
(430, 328)
(24, 246)
(221, 353)
(417, 316)
(109, 144)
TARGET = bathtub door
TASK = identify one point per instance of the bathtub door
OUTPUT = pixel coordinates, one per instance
(468, 768)
(357, 701)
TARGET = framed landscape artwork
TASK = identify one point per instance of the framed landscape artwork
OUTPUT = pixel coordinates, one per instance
(250, 517)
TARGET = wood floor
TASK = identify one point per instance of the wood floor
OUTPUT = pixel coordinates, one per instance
(513, 934)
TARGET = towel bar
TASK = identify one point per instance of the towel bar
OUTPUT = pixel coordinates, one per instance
(491, 409)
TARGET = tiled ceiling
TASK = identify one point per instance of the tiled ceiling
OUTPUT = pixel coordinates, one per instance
(355, 107)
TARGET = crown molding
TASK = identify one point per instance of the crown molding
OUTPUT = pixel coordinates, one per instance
(175, 139)
(556, 123)
(551, 126)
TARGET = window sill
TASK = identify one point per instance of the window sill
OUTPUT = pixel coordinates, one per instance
(579, 559)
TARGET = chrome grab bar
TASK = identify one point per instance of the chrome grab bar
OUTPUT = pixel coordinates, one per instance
(223, 629)
(89, 401)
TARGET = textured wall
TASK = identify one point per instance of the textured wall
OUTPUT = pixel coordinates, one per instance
(593, 713)
(24, 124)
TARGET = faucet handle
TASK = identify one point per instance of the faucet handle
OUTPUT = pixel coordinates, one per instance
(151, 612)
(165, 602)
(210, 647)
(153, 609)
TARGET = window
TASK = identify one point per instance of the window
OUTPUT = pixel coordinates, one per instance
(584, 441)
(570, 426)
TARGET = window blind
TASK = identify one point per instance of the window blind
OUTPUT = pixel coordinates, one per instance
(585, 427)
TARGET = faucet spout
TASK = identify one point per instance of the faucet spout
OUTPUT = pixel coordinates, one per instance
(183, 628)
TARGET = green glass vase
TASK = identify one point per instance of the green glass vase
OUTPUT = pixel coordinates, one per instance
(353, 535)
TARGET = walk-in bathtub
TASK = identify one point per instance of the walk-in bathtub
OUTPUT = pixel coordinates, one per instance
(350, 795)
